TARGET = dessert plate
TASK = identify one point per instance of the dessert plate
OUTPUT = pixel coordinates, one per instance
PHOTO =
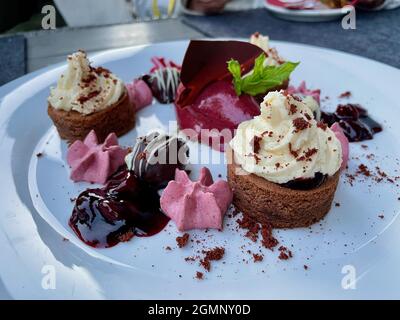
(318, 14)
(347, 255)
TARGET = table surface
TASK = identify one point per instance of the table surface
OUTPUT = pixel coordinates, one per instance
(46, 47)
(377, 36)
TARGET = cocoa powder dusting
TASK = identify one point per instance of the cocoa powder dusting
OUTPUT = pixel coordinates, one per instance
(83, 99)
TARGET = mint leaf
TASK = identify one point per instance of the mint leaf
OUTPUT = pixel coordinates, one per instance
(261, 79)
(234, 69)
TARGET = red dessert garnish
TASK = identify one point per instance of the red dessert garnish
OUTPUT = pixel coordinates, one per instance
(205, 62)
(217, 107)
(206, 98)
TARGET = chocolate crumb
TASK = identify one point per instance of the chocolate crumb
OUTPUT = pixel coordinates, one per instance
(257, 158)
(285, 253)
(257, 257)
(252, 227)
(307, 155)
(83, 99)
(305, 267)
(363, 169)
(205, 264)
(199, 275)
(292, 109)
(310, 152)
(168, 248)
(255, 142)
(322, 125)
(214, 254)
(345, 94)
(183, 240)
(300, 124)
(211, 255)
(268, 240)
(283, 256)
(381, 216)
(39, 154)
(294, 153)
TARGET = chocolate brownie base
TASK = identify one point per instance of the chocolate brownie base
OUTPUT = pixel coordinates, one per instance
(281, 207)
(72, 125)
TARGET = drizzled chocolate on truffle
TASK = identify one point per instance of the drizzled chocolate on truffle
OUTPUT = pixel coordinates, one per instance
(163, 83)
(155, 158)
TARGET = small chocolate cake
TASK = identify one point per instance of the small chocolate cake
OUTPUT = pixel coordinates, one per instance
(280, 206)
(72, 125)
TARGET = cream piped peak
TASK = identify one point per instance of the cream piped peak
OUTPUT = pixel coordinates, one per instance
(85, 89)
(285, 142)
(261, 41)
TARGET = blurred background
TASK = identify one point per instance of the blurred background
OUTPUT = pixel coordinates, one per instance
(97, 25)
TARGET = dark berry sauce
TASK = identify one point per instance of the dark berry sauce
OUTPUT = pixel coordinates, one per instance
(306, 184)
(124, 208)
(357, 125)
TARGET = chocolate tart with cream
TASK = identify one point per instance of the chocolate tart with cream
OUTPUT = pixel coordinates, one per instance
(283, 165)
(280, 206)
(88, 98)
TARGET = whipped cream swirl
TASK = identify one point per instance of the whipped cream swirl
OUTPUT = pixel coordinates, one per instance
(273, 58)
(285, 142)
(85, 89)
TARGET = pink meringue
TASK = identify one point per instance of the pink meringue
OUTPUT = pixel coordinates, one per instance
(302, 89)
(338, 131)
(196, 205)
(140, 94)
(94, 162)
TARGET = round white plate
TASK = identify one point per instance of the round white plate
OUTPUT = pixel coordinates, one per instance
(351, 243)
(315, 15)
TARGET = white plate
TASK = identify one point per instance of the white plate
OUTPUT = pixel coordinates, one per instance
(352, 235)
(315, 15)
